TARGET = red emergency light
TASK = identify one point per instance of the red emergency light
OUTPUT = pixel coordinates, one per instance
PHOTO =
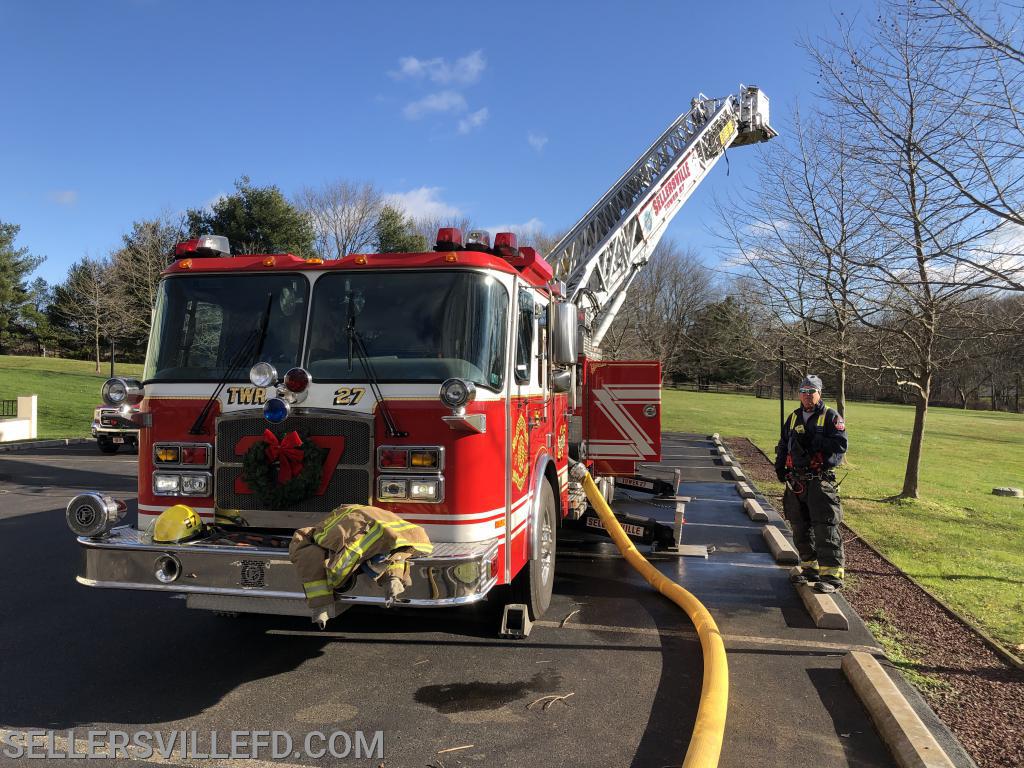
(506, 244)
(449, 239)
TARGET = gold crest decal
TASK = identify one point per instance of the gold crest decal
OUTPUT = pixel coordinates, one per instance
(520, 453)
(561, 443)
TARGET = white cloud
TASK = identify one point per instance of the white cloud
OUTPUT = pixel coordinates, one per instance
(537, 141)
(66, 197)
(527, 229)
(444, 101)
(473, 121)
(465, 71)
(423, 203)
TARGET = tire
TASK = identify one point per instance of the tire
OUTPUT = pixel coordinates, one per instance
(106, 445)
(534, 583)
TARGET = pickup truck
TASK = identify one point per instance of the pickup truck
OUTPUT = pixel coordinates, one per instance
(112, 427)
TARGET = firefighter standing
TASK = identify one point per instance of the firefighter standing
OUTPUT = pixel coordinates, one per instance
(812, 444)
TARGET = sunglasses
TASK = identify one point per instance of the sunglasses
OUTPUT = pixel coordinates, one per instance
(806, 391)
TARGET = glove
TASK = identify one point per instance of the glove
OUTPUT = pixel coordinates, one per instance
(781, 474)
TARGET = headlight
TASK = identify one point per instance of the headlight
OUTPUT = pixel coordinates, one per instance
(197, 484)
(392, 488)
(410, 489)
(114, 392)
(182, 483)
(165, 485)
(263, 375)
(94, 514)
(424, 490)
(121, 391)
(455, 393)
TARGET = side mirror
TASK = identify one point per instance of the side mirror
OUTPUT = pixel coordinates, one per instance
(561, 381)
(563, 334)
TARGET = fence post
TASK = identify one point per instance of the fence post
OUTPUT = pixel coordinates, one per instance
(27, 407)
(782, 384)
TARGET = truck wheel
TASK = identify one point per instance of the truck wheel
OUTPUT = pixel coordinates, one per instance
(107, 445)
(534, 583)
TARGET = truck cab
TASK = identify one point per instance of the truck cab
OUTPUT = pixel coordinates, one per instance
(428, 384)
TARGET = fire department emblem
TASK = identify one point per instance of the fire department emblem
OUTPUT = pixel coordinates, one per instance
(561, 443)
(520, 453)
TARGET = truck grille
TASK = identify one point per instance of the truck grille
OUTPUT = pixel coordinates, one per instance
(350, 481)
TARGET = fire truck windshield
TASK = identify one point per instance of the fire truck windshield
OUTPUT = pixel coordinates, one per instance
(416, 326)
(201, 322)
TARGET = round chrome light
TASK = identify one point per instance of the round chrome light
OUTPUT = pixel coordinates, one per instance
(276, 410)
(114, 392)
(94, 514)
(166, 569)
(119, 390)
(455, 393)
(263, 375)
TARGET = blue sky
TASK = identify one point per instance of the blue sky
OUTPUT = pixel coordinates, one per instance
(117, 110)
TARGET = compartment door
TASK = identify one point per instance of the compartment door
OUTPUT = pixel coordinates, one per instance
(622, 414)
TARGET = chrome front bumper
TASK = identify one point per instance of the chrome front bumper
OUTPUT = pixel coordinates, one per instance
(454, 574)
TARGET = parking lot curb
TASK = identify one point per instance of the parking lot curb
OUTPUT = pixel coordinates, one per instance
(907, 737)
(823, 609)
(30, 444)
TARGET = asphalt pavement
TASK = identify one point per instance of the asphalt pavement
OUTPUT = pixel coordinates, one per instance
(611, 676)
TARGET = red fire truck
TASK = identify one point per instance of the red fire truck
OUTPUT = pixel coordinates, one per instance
(451, 387)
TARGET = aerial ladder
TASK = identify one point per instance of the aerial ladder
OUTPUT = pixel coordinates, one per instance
(603, 253)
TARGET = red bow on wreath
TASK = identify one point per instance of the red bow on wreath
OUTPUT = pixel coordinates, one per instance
(288, 451)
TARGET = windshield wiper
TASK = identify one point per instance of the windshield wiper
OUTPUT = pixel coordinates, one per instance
(355, 340)
(256, 338)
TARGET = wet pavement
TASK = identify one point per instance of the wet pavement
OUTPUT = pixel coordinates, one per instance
(611, 676)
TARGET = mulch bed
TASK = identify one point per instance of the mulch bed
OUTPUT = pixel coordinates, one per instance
(981, 696)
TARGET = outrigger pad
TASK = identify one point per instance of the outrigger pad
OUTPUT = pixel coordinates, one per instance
(652, 485)
(515, 621)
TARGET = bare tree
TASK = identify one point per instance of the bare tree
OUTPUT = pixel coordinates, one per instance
(87, 301)
(664, 302)
(893, 98)
(804, 234)
(983, 57)
(136, 269)
(342, 215)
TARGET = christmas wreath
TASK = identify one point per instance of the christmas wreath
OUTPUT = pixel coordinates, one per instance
(283, 472)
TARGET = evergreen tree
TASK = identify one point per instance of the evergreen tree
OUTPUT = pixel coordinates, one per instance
(255, 220)
(16, 264)
(396, 233)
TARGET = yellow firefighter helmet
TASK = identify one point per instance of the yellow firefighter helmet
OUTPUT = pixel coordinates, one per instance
(177, 524)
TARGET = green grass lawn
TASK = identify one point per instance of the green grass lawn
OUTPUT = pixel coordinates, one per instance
(958, 540)
(68, 390)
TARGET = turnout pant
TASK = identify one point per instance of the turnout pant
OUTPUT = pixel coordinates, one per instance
(815, 514)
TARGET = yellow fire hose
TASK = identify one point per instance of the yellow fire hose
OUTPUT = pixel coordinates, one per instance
(709, 728)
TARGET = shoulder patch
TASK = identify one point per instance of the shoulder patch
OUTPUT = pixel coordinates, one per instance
(839, 423)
